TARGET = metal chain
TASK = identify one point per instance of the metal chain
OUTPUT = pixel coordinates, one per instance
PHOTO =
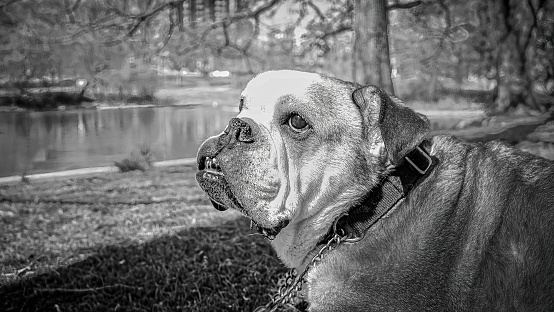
(290, 285)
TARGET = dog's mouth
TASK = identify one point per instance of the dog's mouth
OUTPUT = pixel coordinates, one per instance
(270, 233)
(212, 180)
(211, 168)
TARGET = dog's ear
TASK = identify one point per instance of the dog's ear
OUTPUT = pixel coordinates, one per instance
(401, 128)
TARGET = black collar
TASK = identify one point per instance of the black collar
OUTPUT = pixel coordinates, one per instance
(415, 166)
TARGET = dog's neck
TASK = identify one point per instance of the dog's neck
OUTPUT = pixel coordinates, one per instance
(299, 242)
(381, 199)
(294, 242)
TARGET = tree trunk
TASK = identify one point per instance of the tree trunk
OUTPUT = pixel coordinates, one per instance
(354, 62)
(239, 5)
(502, 96)
(371, 44)
(180, 16)
(227, 7)
(192, 12)
(210, 7)
(515, 88)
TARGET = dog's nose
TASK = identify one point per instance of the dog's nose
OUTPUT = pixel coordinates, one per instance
(239, 130)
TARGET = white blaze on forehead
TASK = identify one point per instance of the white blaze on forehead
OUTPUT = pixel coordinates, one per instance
(262, 92)
(261, 97)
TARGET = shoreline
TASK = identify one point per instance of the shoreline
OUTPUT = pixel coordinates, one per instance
(164, 97)
(100, 106)
(91, 170)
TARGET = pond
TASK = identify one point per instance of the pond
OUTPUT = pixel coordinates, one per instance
(36, 142)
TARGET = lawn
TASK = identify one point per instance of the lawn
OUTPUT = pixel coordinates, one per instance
(151, 241)
(136, 241)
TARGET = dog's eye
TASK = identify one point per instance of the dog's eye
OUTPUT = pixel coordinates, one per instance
(297, 123)
(241, 104)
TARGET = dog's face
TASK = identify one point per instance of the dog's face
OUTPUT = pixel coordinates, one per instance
(303, 149)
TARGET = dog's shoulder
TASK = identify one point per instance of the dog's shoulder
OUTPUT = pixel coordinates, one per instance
(497, 172)
(490, 203)
(507, 200)
(497, 155)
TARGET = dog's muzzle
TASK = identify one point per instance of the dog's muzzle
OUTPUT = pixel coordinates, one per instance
(211, 176)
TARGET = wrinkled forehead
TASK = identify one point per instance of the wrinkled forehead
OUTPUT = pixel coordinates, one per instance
(264, 91)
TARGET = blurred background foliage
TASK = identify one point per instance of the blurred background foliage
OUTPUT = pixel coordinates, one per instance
(499, 52)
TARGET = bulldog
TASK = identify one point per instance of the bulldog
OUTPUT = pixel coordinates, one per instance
(419, 223)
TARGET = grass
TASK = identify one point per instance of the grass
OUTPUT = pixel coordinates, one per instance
(199, 269)
(136, 241)
(134, 162)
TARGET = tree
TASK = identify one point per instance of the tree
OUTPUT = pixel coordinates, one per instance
(212, 25)
(525, 51)
(431, 43)
(371, 47)
(369, 21)
(508, 41)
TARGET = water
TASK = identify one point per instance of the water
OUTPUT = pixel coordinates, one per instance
(35, 142)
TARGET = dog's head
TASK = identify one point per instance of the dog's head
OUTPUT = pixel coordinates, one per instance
(303, 149)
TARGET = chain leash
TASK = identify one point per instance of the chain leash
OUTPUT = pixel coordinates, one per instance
(290, 285)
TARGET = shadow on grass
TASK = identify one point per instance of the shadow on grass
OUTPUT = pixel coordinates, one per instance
(219, 268)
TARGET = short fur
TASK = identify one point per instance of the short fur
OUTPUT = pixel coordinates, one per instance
(475, 235)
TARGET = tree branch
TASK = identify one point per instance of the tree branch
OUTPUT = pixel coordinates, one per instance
(447, 14)
(138, 20)
(406, 5)
(535, 13)
(167, 37)
(254, 13)
(76, 5)
(443, 35)
(254, 34)
(316, 10)
(69, 11)
(337, 31)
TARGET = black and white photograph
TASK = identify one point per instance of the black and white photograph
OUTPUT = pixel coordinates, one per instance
(277, 155)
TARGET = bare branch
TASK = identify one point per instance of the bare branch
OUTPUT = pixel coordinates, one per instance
(316, 10)
(226, 22)
(254, 13)
(167, 37)
(254, 35)
(443, 35)
(69, 11)
(535, 13)
(337, 31)
(76, 5)
(138, 20)
(406, 5)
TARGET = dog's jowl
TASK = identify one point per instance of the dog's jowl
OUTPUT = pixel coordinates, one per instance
(417, 223)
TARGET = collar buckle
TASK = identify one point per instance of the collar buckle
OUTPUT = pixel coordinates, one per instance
(422, 158)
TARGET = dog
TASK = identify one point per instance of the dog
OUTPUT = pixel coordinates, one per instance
(468, 227)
